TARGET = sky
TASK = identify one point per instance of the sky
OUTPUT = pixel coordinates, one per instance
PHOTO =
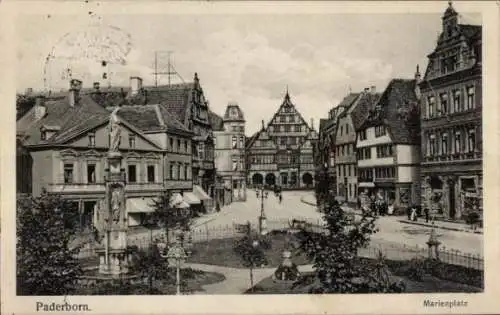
(246, 59)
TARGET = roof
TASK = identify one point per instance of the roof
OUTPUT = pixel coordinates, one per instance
(234, 113)
(322, 123)
(362, 109)
(174, 97)
(71, 121)
(216, 122)
(397, 100)
(347, 102)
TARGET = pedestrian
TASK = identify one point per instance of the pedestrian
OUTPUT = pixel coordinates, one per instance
(414, 213)
(280, 197)
(426, 212)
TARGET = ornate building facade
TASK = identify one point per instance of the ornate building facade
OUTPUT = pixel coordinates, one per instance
(230, 155)
(281, 153)
(451, 118)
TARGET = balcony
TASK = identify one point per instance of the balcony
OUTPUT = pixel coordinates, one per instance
(143, 186)
(77, 188)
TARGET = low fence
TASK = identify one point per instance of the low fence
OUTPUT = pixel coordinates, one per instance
(391, 250)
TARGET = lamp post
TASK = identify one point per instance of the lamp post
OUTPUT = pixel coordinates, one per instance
(176, 256)
(262, 193)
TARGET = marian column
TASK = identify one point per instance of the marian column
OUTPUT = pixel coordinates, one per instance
(113, 257)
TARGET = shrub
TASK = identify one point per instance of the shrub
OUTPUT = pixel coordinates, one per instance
(416, 269)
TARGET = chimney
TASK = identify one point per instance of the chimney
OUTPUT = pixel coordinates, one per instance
(263, 124)
(417, 75)
(367, 89)
(96, 86)
(135, 85)
(74, 92)
(373, 89)
(28, 91)
(40, 109)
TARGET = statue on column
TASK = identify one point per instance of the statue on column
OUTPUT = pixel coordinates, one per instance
(114, 131)
(115, 205)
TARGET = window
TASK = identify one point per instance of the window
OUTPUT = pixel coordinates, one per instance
(355, 171)
(179, 148)
(343, 151)
(151, 174)
(362, 135)
(384, 151)
(186, 146)
(350, 190)
(242, 141)
(291, 118)
(432, 106)
(132, 176)
(293, 140)
(201, 151)
(296, 128)
(444, 103)
(235, 164)
(349, 170)
(234, 142)
(186, 173)
(287, 128)
(339, 170)
(91, 173)
(171, 171)
(68, 173)
(131, 141)
(271, 128)
(282, 118)
(180, 171)
(43, 135)
(472, 140)
(379, 131)
(171, 140)
(444, 143)
(432, 145)
(92, 141)
(283, 140)
(341, 129)
(470, 97)
(346, 129)
(458, 142)
(456, 101)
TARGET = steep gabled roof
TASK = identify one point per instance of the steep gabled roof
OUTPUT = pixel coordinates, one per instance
(216, 122)
(362, 109)
(347, 103)
(397, 102)
(287, 102)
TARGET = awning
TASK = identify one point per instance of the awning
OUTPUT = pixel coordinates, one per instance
(140, 205)
(191, 198)
(366, 184)
(200, 193)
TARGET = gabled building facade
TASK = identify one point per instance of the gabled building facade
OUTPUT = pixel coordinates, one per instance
(388, 146)
(230, 158)
(64, 142)
(281, 153)
(451, 115)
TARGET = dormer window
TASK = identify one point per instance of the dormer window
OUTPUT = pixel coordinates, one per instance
(43, 135)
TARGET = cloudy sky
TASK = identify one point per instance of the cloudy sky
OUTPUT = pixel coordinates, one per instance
(248, 59)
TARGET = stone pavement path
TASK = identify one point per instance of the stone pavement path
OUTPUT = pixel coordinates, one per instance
(237, 279)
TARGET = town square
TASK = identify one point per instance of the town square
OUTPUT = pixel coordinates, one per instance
(243, 160)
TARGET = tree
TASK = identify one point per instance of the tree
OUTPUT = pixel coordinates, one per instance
(46, 263)
(251, 248)
(170, 217)
(335, 251)
(322, 188)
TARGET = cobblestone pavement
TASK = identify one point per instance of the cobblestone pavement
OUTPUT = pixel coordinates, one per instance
(391, 231)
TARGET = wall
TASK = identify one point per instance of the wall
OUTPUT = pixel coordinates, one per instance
(407, 174)
(407, 154)
(43, 170)
(159, 138)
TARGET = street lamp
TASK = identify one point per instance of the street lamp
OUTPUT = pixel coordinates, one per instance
(262, 218)
(176, 257)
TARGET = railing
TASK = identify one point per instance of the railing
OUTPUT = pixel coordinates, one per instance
(391, 250)
(462, 156)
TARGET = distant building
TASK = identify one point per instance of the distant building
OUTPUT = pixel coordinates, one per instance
(344, 147)
(451, 113)
(388, 146)
(281, 153)
(230, 155)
